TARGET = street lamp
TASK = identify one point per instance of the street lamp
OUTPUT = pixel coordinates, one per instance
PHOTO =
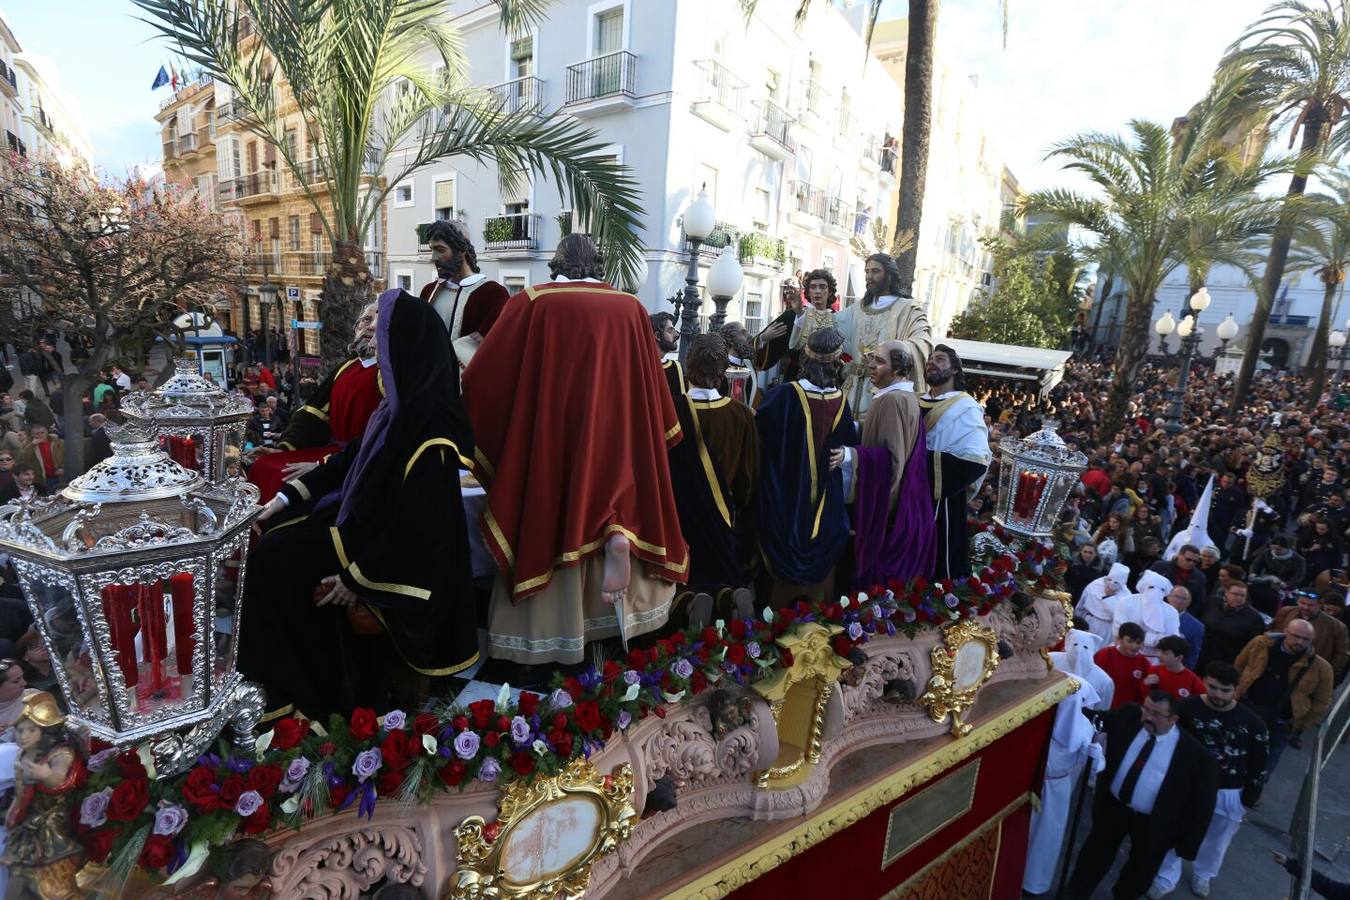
(1337, 341)
(1226, 331)
(699, 222)
(1190, 332)
(267, 295)
(1164, 326)
(724, 281)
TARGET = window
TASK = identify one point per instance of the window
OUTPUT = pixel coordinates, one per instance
(403, 194)
(522, 57)
(403, 280)
(609, 31)
(827, 261)
(754, 305)
(772, 84)
(294, 232)
(761, 208)
(517, 201)
(705, 176)
(444, 190)
(292, 143)
(514, 281)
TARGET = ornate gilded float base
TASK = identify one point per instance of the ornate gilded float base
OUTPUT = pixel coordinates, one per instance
(546, 837)
(964, 660)
(798, 697)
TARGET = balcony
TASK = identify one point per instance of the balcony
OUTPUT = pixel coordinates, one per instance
(43, 121)
(254, 186)
(601, 85)
(772, 131)
(888, 165)
(170, 149)
(206, 136)
(762, 254)
(847, 131)
(187, 144)
(9, 81)
(519, 95)
(871, 154)
(808, 205)
(838, 225)
(816, 107)
(515, 234)
(312, 173)
(721, 96)
(263, 264)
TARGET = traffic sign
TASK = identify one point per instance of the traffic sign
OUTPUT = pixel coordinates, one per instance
(296, 323)
(292, 293)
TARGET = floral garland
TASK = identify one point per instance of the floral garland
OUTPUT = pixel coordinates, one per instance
(302, 769)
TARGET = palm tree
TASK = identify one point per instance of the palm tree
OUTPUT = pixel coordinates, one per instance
(917, 121)
(1167, 199)
(1298, 55)
(1323, 247)
(359, 74)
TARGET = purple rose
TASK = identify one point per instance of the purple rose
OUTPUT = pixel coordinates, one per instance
(683, 668)
(752, 649)
(100, 759)
(855, 631)
(295, 774)
(367, 763)
(170, 819)
(951, 601)
(394, 720)
(466, 743)
(489, 770)
(632, 676)
(249, 803)
(520, 730)
(909, 615)
(94, 809)
(560, 699)
(623, 719)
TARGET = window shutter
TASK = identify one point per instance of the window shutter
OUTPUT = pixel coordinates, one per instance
(315, 224)
(445, 194)
(257, 230)
(274, 228)
(522, 49)
(269, 155)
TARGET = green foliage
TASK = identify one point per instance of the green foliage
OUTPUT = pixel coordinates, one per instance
(1033, 304)
(497, 230)
(756, 244)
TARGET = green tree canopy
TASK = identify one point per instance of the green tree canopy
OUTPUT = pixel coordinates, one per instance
(1033, 303)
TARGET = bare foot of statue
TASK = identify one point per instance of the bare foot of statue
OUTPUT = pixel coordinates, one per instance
(617, 569)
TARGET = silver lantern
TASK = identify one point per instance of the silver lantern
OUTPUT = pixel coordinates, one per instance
(1035, 478)
(134, 574)
(200, 425)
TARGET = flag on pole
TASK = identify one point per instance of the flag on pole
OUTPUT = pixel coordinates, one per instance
(173, 81)
(160, 80)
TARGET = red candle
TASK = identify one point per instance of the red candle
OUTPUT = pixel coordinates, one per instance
(154, 637)
(189, 460)
(184, 628)
(117, 611)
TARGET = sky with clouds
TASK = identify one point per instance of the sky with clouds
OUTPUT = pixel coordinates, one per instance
(1069, 65)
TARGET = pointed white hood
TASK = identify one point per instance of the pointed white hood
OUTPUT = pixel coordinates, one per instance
(1196, 533)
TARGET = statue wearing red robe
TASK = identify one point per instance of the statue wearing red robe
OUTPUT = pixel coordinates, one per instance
(572, 422)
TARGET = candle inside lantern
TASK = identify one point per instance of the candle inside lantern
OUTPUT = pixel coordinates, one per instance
(184, 628)
(154, 636)
(117, 602)
(1030, 487)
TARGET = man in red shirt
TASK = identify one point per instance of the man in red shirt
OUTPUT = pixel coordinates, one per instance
(1124, 664)
(1171, 674)
(1096, 478)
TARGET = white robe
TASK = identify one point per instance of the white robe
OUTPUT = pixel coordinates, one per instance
(1098, 601)
(1150, 611)
(864, 329)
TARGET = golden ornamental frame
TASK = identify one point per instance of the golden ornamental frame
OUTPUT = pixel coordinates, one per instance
(478, 872)
(943, 697)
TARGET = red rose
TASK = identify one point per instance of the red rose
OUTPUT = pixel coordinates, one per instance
(257, 823)
(842, 645)
(390, 782)
(129, 765)
(834, 612)
(397, 750)
(158, 851)
(572, 686)
(666, 647)
(528, 703)
(708, 635)
(523, 763)
(702, 654)
(198, 789)
(587, 715)
(427, 723)
(786, 659)
(563, 742)
(736, 653)
(660, 712)
(230, 791)
(698, 683)
(678, 638)
(129, 798)
(786, 615)
(460, 723)
(491, 738)
(482, 712)
(363, 724)
(737, 629)
(637, 659)
(264, 779)
(98, 844)
(454, 773)
(560, 720)
(327, 749)
(288, 732)
(503, 723)
(338, 794)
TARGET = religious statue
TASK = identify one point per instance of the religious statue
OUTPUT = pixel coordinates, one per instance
(41, 851)
(467, 301)
(884, 314)
(668, 343)
(822, 292)
(740, 382)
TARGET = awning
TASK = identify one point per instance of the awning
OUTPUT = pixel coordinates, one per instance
(1043, 367)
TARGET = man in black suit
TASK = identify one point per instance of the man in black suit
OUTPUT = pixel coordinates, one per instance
(1158, 789)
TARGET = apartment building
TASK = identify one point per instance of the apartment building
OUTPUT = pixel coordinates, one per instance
(35, 118)
(187, 121)
(11, 107)
(785, 127)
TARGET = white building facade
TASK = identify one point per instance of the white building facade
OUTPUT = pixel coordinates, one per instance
(783, 127)
(49, 127)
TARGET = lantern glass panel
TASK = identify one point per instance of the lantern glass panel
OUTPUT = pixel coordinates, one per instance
(66, 646)
(188, 450)
(232, 452)
(151, 639)
(228, 588)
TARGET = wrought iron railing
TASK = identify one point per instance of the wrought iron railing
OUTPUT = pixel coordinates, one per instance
(718, 85)
(837, 214)
(605, 76)
(8, 75)
(807, 199)
(519, 95)
(774, 122)
(516, 231)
